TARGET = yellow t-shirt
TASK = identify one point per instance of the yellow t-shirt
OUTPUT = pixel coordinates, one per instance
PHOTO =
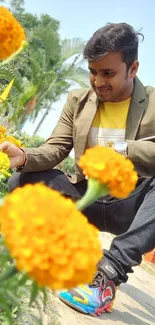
(109, 123)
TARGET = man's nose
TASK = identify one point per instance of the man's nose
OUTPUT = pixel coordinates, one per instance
(99, 81)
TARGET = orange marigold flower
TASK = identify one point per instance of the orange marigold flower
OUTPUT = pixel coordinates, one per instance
(109, 168)
(11, 34)
(49, 238)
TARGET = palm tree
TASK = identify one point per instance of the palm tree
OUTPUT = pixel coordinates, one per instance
(51, 69)
(44, 72)
(62, 77)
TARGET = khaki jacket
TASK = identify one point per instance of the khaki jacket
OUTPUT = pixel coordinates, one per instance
(74, 124)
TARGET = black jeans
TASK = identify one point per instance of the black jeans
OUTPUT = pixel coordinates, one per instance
(131, 219)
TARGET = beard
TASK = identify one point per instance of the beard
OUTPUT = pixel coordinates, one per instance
(113, 96)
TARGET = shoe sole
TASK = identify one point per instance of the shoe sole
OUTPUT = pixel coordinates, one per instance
(74, 307)
(98, 312)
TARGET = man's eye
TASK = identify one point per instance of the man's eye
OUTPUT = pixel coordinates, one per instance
(93, 72)
(109, 73)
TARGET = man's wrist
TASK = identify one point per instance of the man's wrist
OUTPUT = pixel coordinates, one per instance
(20, 167)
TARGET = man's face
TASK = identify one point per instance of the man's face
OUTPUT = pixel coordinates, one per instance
(110, 79)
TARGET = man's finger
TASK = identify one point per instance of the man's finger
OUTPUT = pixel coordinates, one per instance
(4, 145)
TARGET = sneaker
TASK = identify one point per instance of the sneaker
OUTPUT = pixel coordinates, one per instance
(95, 299)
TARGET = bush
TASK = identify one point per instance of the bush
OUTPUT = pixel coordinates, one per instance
(29, 141)
(67, 166)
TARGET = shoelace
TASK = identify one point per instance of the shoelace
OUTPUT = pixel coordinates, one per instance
(99, 279)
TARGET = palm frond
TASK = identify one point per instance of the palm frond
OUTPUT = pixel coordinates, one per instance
(77, 74)
(70, 47)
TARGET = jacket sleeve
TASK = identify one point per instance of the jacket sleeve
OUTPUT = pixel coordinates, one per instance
(57, 147)
(142, 154)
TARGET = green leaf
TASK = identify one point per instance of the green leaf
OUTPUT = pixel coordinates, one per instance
(34, 292)
(8, 274)
(45, 297)
(70, 47)
(23, 279)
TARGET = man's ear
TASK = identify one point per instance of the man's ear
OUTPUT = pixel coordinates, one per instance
(133, 69)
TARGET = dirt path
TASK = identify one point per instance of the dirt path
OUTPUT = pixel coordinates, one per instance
(134, 304)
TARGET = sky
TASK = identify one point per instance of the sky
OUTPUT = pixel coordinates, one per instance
(82, 18)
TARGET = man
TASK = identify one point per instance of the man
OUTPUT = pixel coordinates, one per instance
(117, 111)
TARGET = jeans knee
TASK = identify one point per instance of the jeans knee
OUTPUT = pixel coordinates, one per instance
(13, 182)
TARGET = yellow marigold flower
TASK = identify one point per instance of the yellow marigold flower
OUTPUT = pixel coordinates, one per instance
(2, 129)
(109, 168)
(2, 138)
(13, 140)
(11, 34)
(4, 164)
(10, 138)
(49, 238)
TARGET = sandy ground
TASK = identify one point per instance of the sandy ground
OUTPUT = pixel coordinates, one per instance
(134, 303)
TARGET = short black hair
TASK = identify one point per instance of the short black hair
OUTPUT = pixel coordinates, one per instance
(114, 37)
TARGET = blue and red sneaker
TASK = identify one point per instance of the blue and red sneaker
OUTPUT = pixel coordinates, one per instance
(95, 299)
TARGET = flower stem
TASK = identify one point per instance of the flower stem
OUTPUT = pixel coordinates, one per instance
(94, 191)
(14, 55)
(1, 199)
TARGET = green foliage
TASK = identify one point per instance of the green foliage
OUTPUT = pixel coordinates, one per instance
(70, 47)
(17, 7)
(67, 166)
(30, 141)
(3, 187)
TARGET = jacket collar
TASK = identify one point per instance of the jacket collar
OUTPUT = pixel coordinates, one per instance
(138, 106)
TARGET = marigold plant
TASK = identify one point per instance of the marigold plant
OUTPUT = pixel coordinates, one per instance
(11, 34)
(49, 238)
(109, 168)
(4, 164)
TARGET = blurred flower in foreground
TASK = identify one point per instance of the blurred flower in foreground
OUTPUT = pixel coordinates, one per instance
(108, 172)
(4, 137)
(12, 139)
(3, 131)
(5, 120)
(4, 164)
(12, 35)
(50, 239)
(5, 93)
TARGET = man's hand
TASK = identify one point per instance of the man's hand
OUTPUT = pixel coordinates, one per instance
(16, 155)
